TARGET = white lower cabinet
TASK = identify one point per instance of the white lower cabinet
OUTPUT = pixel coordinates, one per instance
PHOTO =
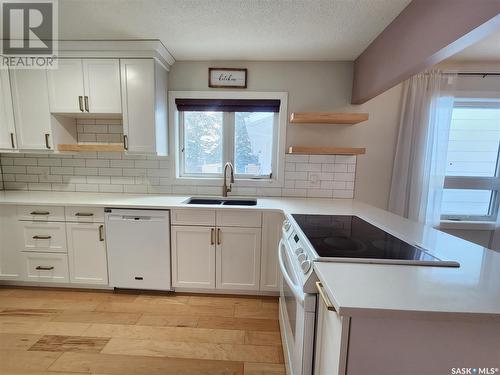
(271, 235)
(42, 236)
(216, 258)
(193, 257)
(87, 253)
(11, 265)
(238, 258)
(71, 250)
(332, 332)
(45, 267)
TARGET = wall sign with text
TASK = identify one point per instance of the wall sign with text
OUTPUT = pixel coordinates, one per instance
(227, 78)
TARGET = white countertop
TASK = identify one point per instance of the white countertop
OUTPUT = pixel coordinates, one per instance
(354, 288)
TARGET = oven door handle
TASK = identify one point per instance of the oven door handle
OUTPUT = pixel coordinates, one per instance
(295, 289)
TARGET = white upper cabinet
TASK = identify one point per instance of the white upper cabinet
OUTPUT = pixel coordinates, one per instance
(7, 128)
(102, 85)
(66, 87)
(85, 86)
(30, 99)
(144, 88)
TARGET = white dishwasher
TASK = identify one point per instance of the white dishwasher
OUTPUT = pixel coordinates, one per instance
(138, 243)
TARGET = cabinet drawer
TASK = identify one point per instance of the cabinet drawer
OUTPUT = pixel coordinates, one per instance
(190, 216)
(239, 218)
(85, 214)
(40, 213)
(46, 267)
(43, 237)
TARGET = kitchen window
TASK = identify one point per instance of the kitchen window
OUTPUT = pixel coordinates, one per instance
(246, 132)
(472, 182)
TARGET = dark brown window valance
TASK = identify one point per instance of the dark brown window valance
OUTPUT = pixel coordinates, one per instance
(228, 105)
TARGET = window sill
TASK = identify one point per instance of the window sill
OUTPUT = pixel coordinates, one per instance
(468, 225)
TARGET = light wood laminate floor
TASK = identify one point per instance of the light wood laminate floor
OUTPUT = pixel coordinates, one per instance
(47, 331)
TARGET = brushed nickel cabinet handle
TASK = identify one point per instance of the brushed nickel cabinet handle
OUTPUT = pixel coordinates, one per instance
(42, 268)
(38, 237)
(47, 141)
(86, 103)
(40, 213)
(125, 142)
(324, 297)
(219, 241)
(80, 103)
(101, 233)
(12, 140)
(84, 214)
(212, 233)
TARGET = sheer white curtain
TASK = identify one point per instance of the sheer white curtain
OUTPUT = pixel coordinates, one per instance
(420, 158)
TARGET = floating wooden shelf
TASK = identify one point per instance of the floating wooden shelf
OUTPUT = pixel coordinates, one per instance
(327, 118)
(91, 147)
(326, 150)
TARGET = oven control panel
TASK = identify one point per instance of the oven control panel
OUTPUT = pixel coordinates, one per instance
(302, 255)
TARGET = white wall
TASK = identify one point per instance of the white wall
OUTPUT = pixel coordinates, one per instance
(319, 86)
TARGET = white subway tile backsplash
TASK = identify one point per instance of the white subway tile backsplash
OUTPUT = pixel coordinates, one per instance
(94, 188)
(319, 193)
(105, 188)
(138, 189)
(325, 176)
(26, 161)
(86, 171)
(48, 162)
(73, 162)
(348, 194)
(308, 167)
(322, 159)
(297, 158)
(14, 170)
(121, 163)
(295, 175)
(345, 159)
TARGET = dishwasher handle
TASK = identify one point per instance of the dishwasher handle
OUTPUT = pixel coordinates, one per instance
(135, 218)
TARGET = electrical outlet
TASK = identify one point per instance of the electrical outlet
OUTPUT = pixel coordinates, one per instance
(314, 178)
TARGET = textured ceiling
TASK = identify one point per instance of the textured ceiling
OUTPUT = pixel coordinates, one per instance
(486, 50)
(235, 29)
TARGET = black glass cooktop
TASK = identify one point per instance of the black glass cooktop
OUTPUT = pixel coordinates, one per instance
(352, 237)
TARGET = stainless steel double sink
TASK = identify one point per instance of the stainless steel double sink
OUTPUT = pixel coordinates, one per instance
(222, 201)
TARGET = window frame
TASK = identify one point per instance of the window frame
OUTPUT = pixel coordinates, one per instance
(276, 178)
(476, 182)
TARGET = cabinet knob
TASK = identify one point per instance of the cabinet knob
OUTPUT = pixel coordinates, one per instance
(86, 103)
(12, 140)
